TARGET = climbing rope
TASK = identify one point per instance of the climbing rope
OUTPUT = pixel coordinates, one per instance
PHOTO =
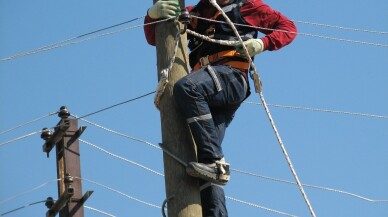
(259, 91)
(165, 74)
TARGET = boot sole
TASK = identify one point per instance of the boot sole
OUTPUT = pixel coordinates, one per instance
(202, 174)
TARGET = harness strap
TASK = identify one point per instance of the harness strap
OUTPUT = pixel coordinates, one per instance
(222, 58)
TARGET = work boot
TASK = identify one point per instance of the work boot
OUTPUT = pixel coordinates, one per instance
(217, 172)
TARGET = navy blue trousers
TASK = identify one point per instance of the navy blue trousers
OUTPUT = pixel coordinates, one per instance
(208, 99)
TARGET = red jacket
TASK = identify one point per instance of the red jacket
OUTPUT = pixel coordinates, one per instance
(258, 14)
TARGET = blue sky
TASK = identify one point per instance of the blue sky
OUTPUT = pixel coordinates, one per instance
(318, 70)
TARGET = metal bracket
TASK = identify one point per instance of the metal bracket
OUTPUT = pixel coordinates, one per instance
(58, 134)
(60, 203)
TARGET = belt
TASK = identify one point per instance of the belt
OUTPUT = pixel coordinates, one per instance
(216, 59)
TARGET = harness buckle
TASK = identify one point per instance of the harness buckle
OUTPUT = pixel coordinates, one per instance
(204, 61)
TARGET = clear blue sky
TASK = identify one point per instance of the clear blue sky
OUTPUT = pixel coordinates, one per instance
(340, 151)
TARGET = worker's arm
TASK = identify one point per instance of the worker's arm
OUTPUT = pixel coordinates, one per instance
(279, 30)
(161, 9)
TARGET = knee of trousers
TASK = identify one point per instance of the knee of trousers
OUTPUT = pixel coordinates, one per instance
(182, 89)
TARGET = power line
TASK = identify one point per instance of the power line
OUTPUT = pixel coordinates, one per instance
(300, 33)
(118, 104)
(121, 158)
(321, 110)
(248, 173)
(260, 207)
(28, 122)
(311, 186)
(341, 27)
(22, 207)
(70, 41)
(28, 191)
(99, 211)
(118, 192)
(19, 138)
(67, 40)
(118, 133)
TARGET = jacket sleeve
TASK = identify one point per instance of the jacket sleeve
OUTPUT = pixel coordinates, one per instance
(149, 30)
(279, 30)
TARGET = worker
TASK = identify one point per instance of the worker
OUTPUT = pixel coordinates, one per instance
(210, 95)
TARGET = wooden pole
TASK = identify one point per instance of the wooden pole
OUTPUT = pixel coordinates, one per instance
(183, 190)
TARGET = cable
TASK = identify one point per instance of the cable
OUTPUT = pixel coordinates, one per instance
(99, 211)
(321, 110)
(19, 138)
(118, 133)
(340, 27)
(22, 207)
(121, 158)
(118, 192)
(243, 172)
(29, 122)
(260, 207)
(311, 186)
(115, 105)
(299, 33)
(29, 191)
(62, 44)
(70, 39)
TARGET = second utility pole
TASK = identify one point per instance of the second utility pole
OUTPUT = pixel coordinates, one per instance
(181, 190)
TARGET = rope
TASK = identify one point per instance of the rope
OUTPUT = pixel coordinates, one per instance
(121, 158)
(165, 74)
(214, 3)
(321, 110)
(118, 192)
(22, 207)
(299, 33)
(99, 211)
(19, 138)
(27, 192)
(257, 206)
(28, 122)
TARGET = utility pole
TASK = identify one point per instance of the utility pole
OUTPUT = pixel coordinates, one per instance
(65, 138)
(182, 191)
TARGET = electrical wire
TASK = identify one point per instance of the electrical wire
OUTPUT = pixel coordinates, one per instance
(99, 211)
(320, 110)
(118, 133)
(19, 138)
(71, 42)
(28, 122)
(28, 191)
(246, 173)
(22, 207)
(311, 186)
(258, 206)
(300, 33)
(340, 27)
(118, 192)
(121, 158)
(115, 105)
(70, 39)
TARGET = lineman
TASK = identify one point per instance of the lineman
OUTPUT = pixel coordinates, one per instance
(210, 95)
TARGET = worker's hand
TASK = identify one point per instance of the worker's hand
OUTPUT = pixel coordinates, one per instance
(254, 46)
(164, 9)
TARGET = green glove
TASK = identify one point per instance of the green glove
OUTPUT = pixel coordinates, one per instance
(254, 46)
(164, 9)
